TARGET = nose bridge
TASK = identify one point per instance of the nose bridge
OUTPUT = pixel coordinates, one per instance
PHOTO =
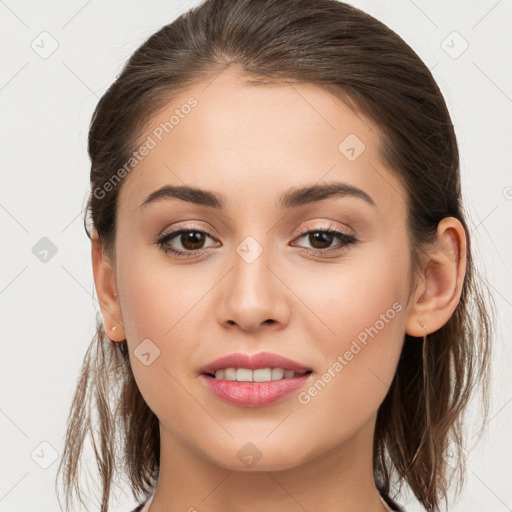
(254, 251)
(252, 293)
(251, 274)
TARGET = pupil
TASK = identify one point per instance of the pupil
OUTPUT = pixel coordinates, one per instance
(323, 238)
(191, 238)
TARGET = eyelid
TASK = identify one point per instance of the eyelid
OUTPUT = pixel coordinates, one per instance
(329, 226)
(342, 234)
(186, 227)
(302, 231)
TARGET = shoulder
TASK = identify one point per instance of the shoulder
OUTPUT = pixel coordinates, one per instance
(144, 506)
(393, 505)
(139, 507)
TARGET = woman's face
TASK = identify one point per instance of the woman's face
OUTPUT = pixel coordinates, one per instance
(253, 280)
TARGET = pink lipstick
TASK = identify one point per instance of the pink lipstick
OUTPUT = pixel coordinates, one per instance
(254, 381)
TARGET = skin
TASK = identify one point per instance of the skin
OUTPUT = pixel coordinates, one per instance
(252, 143)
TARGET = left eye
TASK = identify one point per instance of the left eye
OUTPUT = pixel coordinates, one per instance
(321, 239)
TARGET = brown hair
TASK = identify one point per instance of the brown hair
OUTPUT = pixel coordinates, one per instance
(360, 60)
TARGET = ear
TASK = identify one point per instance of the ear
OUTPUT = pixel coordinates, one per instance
(104, 279)
(440, 286)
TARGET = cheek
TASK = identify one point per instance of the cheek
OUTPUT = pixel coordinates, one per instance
(157, 296)
(158, 305)
(367, 290)
(363, 309)
(359, 366)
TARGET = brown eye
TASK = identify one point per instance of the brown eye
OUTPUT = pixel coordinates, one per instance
(321, 240)
(189, 241)
(192, 240)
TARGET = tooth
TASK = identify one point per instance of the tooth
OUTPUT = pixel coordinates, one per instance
(243, 374)
(262, 375)
(230, 373)
(277, 373)
(259, 375)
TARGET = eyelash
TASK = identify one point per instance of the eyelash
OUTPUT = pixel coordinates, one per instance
(345, 238)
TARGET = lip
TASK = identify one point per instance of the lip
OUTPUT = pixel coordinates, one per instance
(254, 362)
(253, 394)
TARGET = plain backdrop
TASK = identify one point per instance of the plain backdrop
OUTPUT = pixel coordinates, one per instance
(58, 58)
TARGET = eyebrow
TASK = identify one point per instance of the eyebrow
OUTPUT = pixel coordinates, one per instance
(292, 198)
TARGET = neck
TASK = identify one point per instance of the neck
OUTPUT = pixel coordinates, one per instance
(336, 480)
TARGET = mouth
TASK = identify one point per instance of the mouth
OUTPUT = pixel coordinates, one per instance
(255, 380)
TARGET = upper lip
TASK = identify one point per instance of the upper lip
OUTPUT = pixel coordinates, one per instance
(254, 362)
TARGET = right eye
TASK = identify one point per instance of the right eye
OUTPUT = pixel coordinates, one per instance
(190, 238)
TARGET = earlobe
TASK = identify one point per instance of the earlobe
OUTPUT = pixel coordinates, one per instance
(104, 279)
(438, 293)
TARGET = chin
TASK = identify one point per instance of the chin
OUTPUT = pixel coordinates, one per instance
(258, 457)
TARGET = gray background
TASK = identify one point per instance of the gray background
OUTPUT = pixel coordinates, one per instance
(47, 300)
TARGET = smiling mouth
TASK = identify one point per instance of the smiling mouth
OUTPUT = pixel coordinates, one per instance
(258, 375)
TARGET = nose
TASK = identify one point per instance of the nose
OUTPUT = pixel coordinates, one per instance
(252, 293)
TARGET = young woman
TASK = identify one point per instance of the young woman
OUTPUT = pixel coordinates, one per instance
(290, 319)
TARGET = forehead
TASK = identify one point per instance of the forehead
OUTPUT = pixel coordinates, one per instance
(254, 141)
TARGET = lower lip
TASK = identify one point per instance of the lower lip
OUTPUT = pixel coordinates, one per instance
(253, 394)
